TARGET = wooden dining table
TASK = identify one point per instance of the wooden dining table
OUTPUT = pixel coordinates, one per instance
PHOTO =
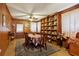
(35, 38)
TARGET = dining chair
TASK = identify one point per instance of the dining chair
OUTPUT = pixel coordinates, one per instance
(28, 42)
(43, 42)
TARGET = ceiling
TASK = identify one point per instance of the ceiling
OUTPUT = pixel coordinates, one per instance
(37, 10)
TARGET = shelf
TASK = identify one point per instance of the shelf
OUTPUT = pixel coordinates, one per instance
(50, 26)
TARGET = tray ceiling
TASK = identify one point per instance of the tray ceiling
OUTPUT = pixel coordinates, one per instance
(37, 10)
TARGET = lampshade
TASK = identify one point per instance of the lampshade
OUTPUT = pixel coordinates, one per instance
(31, 19)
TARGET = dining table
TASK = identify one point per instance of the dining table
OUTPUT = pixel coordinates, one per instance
(35, 38)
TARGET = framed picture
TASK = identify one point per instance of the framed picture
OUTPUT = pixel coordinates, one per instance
(3, 20)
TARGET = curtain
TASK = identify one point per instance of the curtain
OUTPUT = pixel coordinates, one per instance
(39, 26)
(33, 26)
(19, 28)
(70, 22)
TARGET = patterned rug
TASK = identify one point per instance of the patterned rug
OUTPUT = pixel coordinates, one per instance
(21, 51)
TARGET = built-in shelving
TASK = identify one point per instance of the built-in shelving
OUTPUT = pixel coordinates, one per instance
(50, 26)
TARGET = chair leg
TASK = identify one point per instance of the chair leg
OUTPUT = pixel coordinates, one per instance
(45, 46)
(27, 46)
(40, 48)
(24, 45)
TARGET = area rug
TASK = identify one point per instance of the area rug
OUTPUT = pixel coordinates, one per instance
(21, 51)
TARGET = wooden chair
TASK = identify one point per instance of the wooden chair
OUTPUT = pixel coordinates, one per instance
(11, 35)
(43, 41)
(28, 42)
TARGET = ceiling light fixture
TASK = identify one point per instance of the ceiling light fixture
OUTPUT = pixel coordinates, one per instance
(31, 19)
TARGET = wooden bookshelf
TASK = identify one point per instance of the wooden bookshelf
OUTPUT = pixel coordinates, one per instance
(51, 25)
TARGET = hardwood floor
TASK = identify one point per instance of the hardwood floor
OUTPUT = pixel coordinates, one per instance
(11, 49)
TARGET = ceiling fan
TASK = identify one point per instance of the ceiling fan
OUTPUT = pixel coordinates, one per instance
(30, 16)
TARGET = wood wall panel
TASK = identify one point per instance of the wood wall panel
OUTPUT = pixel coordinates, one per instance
(0, 26)
(59, 23)
(4, 41)
(26, 29)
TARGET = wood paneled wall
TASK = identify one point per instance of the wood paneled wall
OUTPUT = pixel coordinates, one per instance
(26, 24)
(4, 41)
(59, 28)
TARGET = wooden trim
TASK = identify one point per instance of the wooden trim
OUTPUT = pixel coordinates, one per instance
(20, 19)
(59, 23)
(8, 10)
(70, 8)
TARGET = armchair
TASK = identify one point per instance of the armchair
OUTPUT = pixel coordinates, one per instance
(74, 45)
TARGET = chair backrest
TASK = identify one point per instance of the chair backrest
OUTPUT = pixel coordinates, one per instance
(77, 35)
(43, 38)
(26, 37)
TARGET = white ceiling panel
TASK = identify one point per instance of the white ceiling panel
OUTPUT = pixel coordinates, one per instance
(38, 10)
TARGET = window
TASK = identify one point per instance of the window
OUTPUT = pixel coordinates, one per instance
(70, 22)
(33, 26)
(39, 26)
(19, 28)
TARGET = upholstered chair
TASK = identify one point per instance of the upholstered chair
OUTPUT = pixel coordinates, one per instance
(74, 45)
